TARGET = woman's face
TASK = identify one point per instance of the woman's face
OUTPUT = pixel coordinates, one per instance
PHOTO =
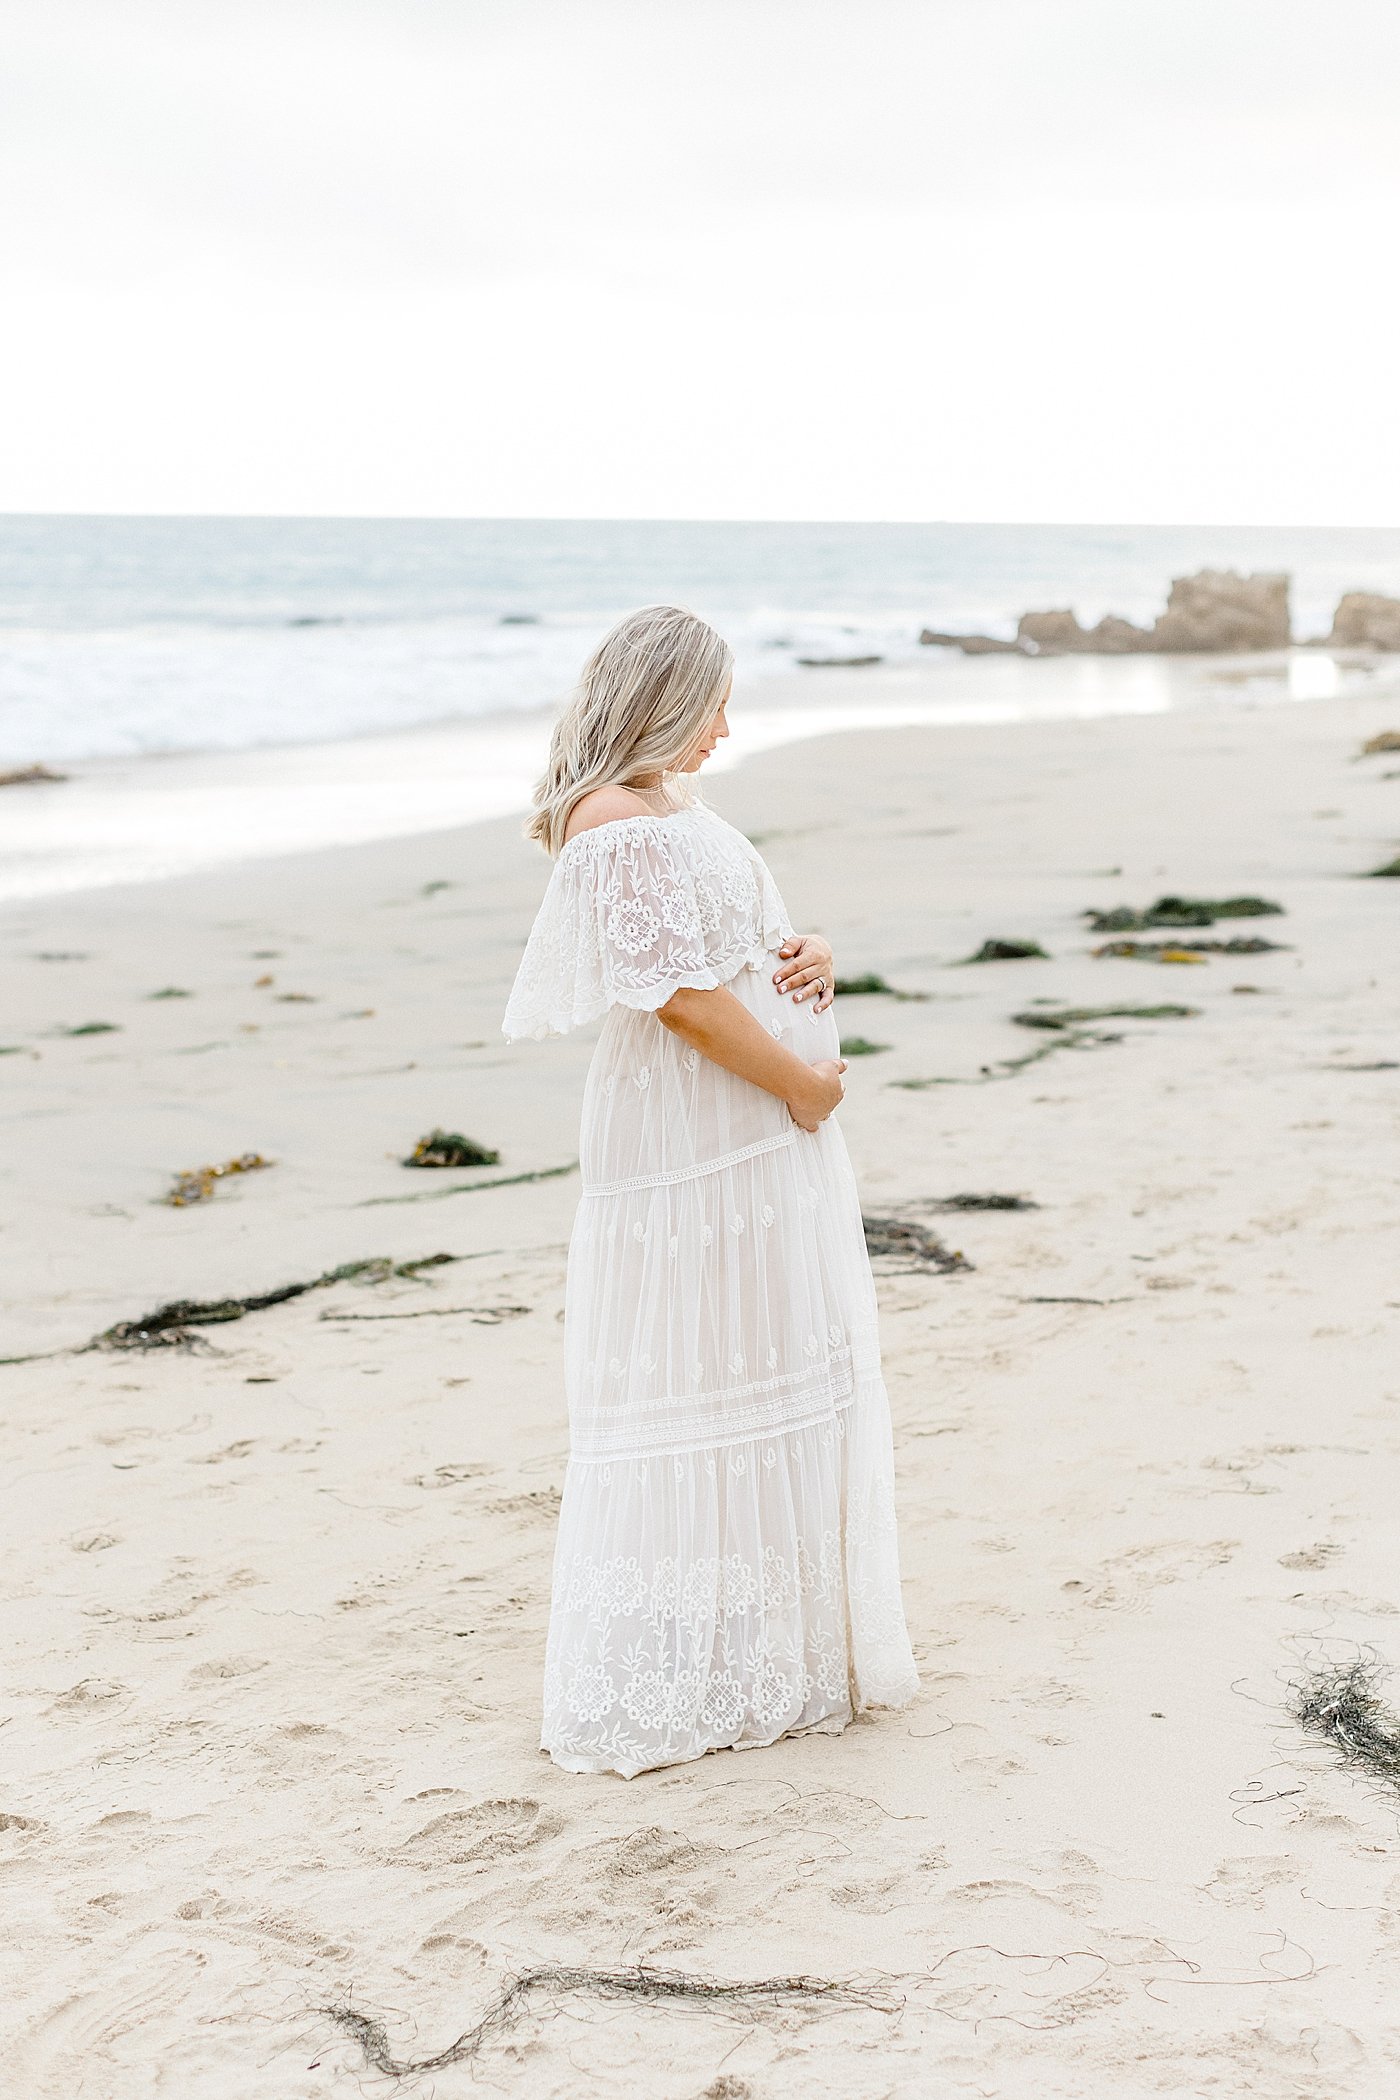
(715, 728)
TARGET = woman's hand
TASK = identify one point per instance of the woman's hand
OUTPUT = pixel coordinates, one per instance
(808, 971)
(818, 1094)
(722, 1029)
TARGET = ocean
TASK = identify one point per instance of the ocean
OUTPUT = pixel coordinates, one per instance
(123, 636)
(221, 689)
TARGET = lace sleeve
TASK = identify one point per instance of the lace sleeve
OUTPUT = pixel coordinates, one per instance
(636, 910)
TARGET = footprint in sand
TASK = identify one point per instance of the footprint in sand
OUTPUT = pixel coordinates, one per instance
(225, 1667)
(1245, 1882)
(488, 1830)
(301, 1749)
(538, 1505)
(652, 1890)
(86, 2040)
(87, 1695)
(448, 1476)
(1319, 1556)
(872, 1898)
(241, 1449)
(1126, 1582)
(210, 1905)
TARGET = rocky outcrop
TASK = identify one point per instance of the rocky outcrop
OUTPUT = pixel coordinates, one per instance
(1060, 634)
(970, 644)
(1051, 633)
(1215, 610)
(29, 776)
(1366, 620)
(838, 663)
(1219, 610)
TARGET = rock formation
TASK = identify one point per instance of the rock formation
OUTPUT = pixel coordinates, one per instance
(1215, 610)
(1060, 634)
(1218, 610)
(1366, 620)
(970, 644)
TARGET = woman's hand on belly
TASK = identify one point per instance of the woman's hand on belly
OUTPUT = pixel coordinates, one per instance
(723, 1029)
(820, 1092)
(807, 970)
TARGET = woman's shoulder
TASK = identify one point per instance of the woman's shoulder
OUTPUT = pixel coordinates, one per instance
(604, 805)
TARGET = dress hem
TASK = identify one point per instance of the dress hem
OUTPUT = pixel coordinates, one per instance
(835, 1723)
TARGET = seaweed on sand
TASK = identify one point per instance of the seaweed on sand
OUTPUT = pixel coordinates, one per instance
(1070, 1027)
(1180, 911)
(169, 1326)
(479, 1315)
(912, 1246)
(471, 1188)
(1009, 951)
(447, 1148)
(982, 1203)
(1008, 1067)
(1061, 1018)
(648, 1986)
(197, 1184)
(1341, 1703)
(861, 1046)
(1392, 867)
(1388, 740)
(868, 985)
(1188, 952)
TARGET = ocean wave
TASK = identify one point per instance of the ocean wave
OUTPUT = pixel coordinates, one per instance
(125, 691)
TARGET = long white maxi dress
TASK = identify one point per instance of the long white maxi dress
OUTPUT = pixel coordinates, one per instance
(727, 1568)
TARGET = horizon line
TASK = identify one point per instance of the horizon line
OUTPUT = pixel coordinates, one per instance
(387, 517)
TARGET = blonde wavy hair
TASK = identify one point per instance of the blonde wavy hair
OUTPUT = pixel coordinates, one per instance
(645, 698)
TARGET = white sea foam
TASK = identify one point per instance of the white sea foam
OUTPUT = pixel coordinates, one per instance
(116, 692)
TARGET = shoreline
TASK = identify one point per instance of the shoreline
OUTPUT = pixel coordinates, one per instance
(154, 816)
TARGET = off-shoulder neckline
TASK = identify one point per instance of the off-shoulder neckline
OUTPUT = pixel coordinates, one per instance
(687, 809)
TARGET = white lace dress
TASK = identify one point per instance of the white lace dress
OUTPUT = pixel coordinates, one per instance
(726, 1568)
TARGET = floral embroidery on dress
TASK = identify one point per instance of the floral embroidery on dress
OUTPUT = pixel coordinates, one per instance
(633, 926)
(639, 907)
(591, 1692)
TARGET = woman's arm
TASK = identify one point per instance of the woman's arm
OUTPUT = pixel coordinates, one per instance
(720, 1028)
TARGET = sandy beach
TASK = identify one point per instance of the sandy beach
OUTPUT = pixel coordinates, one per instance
(276, 1604)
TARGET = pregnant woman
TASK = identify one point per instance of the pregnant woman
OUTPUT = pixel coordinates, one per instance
(727, 1569)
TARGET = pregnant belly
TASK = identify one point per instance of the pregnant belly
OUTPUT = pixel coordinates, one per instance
(655, 1108)
(810, 1035)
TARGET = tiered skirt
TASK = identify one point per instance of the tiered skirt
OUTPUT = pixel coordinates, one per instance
(727, 1563)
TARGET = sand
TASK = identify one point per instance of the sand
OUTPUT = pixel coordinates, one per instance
(276, 1610)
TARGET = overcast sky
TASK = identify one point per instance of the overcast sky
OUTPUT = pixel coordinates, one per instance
(995, 259)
